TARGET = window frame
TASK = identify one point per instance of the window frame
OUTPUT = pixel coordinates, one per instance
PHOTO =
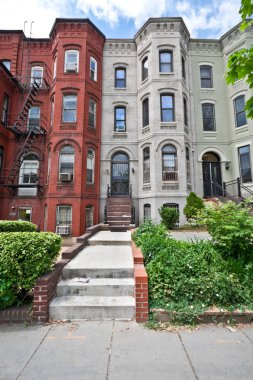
(70, 170)
(1, 158)
(6, 63)
(90, 156)
(240, 112)
(183, 67)
(167, 108)
(146, 206)
(145, 112)
(66, 53)
(37, 124)
(28, 174)
(240, 163)
(71, 109)
(29, 213)
(185, 112)
(163, 64)
(144, 70)
(68, 222)
(33, 78)
(169, 175)
(119, 80)
(5, 109)
(146, 165)
(209, 78)
(115, 119)
(92, 116)
(89, 208)
(208, 118)
(93, 71)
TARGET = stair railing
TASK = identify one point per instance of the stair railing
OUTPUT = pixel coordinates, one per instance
(130, 191)
(109, 193)
(105, 215)
(132, 214)
(223, 193)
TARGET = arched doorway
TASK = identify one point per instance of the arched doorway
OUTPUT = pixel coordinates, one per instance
(120, 174)
(212, 180)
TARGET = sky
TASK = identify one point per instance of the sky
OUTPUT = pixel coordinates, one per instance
(120, 18)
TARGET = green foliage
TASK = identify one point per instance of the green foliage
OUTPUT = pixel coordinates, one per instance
(24, 256)
(240, 63)
(193, 205)
(16, 226)
(169, 216)
(231, 228)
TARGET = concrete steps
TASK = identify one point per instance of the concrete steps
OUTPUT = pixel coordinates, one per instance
(119, 213)
(98, 284)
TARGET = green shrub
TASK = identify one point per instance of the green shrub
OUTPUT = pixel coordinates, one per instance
(193, 205)
(24, 256)
(231, 228)
(16, 226)
(169, 216)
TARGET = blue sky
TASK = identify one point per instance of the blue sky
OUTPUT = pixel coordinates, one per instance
(121, 18)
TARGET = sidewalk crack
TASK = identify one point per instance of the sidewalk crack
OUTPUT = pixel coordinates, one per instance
(188, 357)
(110, 352)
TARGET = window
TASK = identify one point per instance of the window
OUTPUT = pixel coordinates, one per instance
(240, 115)
(120, 119)
(144, 68)
(185, 113)
(169, 163)
(188, 167)
(245, 165)
(89, 216)
(25, 213)
(167, 108)
(208, 117)
(165, 62)
(37, 75)
(7, 64)
(120, 78)
(71, 61)
(206, 77)
(55, 68)
(69, 108)
(66, 164)
(145, 112)
(5, 109)
(48, 164)
(52, 113)
(34, 117)
(146, 165)
(183, 67)
(64, 216)
(93, 69)
(147, 211)
(1, 158)
(90, 166)
(92, 113)
(28, 175)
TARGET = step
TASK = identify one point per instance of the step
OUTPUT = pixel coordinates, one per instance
(103, 287)
(92, 308)
(118, 223)
(120, 219)
(111, 238)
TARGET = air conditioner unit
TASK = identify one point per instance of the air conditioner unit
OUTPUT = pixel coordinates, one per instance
(71, 67)
(63, 230)
(66, 177)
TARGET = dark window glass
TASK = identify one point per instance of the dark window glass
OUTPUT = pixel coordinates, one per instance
(165, 62)
(206, 77)
(147, 211)
(92, 113)
(146, 165)
(90, 166)
(34, 117)
(185, 113)
(120, 119)
(145, 113)
(1, 157)
(5, 109)
(169, 163)
(167, 108)
(245, 165)
(183, 67)
(208, 117)
(120, 78)
(145, 68)
(240, 115)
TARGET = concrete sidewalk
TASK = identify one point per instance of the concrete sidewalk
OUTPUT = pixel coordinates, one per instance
(114, 350)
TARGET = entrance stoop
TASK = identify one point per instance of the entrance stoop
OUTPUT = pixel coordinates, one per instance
(119, 213)
(98, 284)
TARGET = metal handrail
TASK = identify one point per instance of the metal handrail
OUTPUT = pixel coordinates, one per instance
(105, 215)
(130, 191)
(108, 191)
(224, 193)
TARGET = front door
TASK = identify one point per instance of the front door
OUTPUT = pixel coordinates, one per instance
(120, 174)
(211, 177)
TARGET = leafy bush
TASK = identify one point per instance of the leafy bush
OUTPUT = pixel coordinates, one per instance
(169, 216)
(193, 205)
(16, 226)
(24, 256)
(231, 228)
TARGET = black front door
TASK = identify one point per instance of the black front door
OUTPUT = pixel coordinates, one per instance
(120, 174)
(211, 177)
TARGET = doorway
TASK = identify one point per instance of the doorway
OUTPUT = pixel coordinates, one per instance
(212, 180)
(120, 174)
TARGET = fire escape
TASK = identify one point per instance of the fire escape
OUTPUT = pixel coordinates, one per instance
(26, 132)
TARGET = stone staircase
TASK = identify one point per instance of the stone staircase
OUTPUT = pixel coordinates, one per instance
(119, 213)
(98, 284)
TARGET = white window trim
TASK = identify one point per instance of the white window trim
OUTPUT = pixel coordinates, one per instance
(39, 68)
(76, 70)
(92, 59)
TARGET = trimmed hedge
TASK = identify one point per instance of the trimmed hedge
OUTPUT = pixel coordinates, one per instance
(24, 257)
(17, 226)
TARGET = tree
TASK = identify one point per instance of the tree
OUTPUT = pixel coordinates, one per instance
(193, 205)
(240, 63)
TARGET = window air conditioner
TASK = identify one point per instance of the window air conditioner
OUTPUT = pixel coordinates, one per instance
(71, 67)
(66, 177)
(63, 230)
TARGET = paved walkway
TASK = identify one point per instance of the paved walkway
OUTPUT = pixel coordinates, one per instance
(190, 235)
(114, 350)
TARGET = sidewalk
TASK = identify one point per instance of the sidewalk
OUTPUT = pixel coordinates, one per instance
(114, 350)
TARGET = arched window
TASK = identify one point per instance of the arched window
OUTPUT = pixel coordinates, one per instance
(144, 66)
(169, 163)
(147, 211)
(120, 77)
(90, 166)
(37, 75)
(146, 165)
(66, 164)
(28, 175)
